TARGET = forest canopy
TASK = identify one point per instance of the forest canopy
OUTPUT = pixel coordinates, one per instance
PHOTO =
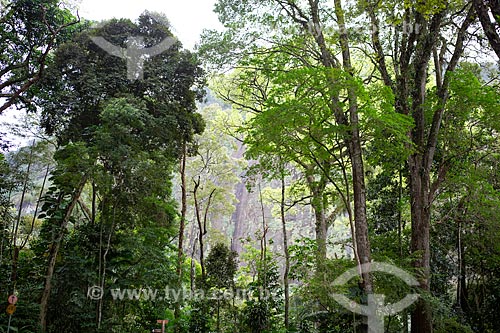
(309, 156)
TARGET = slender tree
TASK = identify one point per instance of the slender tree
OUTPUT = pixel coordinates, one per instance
(286, 251)
(182, 226)
(307, 19)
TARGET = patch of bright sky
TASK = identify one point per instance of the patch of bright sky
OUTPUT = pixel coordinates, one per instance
(187, 17)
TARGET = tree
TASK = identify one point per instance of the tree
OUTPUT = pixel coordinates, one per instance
(404, 66)
(32, 165)
(485, 10)
(286, 251)
(130, 132)
(182, 225)
(208, 174)
(60, 208)
(319, 103)
(172, 83)
(311, 51)
(212, 173)
(272, 167)
(264, 292)
(221, 269)
(30, 31)
(466, 209)
(416, 49)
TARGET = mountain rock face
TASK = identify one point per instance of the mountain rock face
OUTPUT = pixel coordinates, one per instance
(239, 217)
(244, 209)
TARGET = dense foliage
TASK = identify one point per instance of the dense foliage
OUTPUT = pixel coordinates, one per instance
(318, 146)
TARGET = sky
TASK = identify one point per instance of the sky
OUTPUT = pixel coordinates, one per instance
(187, 17)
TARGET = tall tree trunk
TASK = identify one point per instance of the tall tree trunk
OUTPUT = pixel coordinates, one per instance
(413, 52)
(94, 203)
(54, 250)
(23, 194)
(103, 270)
(14, 247)
(286, 252)
(425, 139)
(360, 220)
(40, 194)
(356, 155)
(263, 241)
(421, 318)
(182, 223)
(321, 227)
(13, 273)
(201, 230)
(321, 232)
(202, 225)
(400, 213)
(461, 278)
(352, 139)
(101, 256)
(192, 270)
